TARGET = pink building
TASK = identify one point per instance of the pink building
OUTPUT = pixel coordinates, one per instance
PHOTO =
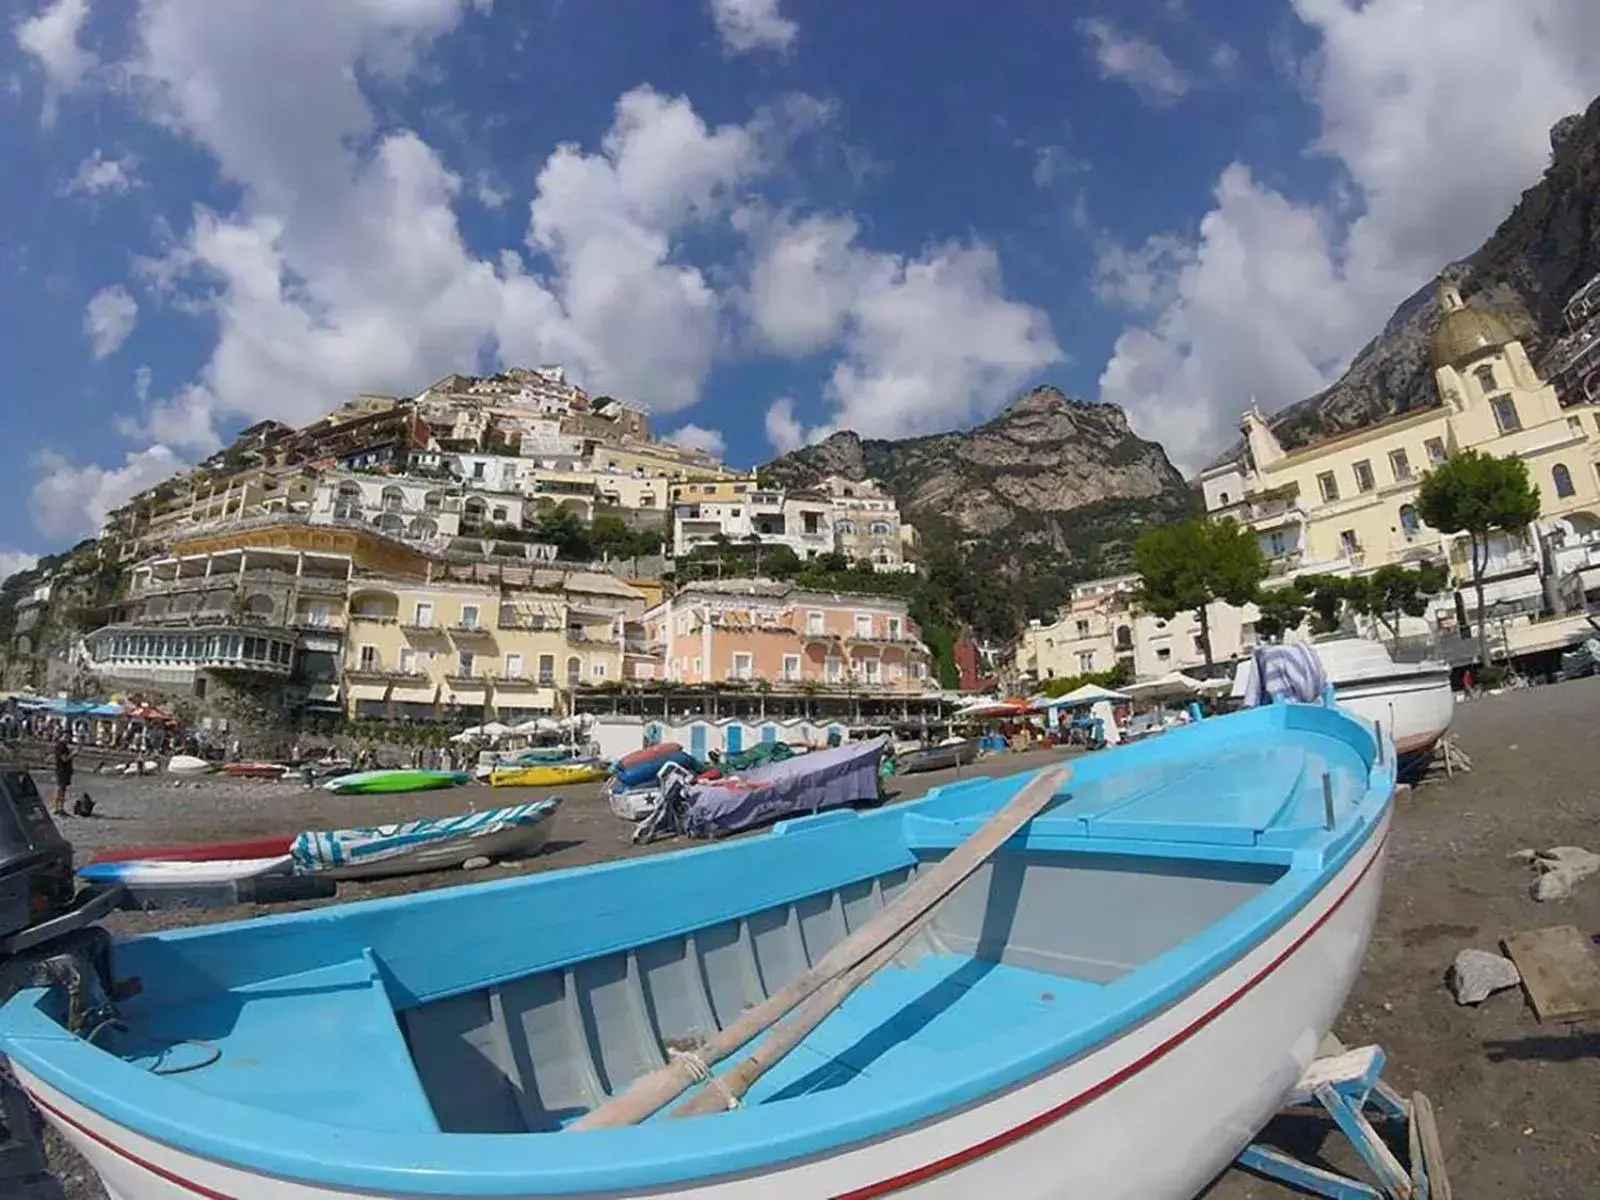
(745, 629)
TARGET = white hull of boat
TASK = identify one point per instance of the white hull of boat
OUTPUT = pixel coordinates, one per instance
(1415, 711)
(1153, 1115)
(177, 873)
(516, 841)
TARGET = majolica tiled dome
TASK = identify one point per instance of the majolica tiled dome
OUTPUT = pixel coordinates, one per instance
(1463, 332)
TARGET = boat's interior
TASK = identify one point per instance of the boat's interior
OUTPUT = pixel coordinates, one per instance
(521, 1006)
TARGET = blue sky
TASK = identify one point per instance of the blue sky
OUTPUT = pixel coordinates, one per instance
(763, 219)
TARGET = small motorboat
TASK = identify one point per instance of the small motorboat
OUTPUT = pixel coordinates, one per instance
(254, 770)
(549, 774)
(267, 847)
(416, 846)
(189, 764)
(938, 758)
(1413, 700)
(1108, 996)
(401, 779)
(168, 872)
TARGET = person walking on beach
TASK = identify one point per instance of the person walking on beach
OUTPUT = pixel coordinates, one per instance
(63, 764)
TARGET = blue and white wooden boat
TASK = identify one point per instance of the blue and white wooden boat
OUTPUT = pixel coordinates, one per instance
(1112, 1006)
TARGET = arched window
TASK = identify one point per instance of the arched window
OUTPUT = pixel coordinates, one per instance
(1486, 379)
(574, 671)
(846, 527)
(880, 528)
(422, 527)
(391, 523)
(1563, 480)
(473, 513)
(1410, 524)
(433, 502)
(393, 499)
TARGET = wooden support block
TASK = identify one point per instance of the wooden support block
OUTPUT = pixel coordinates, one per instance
(1425, 1137)
(1348, 1067)
(1559, 972)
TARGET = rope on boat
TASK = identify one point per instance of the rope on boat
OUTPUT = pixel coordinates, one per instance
(155, 1068)
(702, 1074)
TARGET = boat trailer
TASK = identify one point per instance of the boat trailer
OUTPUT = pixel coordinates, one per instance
(1347, 1087)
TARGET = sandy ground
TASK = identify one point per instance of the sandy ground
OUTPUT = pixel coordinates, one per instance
(1518, 1103)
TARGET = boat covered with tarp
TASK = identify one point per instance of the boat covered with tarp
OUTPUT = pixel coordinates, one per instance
(1101, 985)
(413, 846)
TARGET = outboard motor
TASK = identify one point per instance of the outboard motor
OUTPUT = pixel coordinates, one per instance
(48, 938)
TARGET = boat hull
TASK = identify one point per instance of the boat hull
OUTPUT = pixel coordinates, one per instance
(1152, 1115)
(548, 775)
(1415, 711)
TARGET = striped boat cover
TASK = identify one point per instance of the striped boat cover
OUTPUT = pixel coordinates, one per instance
(342, 847)
(1293, 672)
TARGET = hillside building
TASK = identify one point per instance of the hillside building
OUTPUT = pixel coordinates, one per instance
(747, 630)
(1348, 504)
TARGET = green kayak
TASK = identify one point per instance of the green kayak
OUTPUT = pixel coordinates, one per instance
(402, 779)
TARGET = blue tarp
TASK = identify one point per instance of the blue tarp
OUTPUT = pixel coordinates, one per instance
(807, 783)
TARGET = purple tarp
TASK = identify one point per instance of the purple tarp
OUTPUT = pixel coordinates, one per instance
(798, 786)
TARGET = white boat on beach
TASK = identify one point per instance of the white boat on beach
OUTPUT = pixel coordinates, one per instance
(1109, 999)
(1413, 701)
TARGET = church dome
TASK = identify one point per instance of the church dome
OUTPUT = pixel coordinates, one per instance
(1463, 332)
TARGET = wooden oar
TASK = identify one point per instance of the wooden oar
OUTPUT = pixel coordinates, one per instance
(653, 1092)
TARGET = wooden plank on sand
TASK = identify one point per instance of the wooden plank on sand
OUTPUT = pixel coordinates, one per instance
(1559, 972)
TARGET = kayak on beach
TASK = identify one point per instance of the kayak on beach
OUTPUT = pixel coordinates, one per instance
(403, 779)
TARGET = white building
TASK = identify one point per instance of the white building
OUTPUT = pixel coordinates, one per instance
(803, 521)
(866, 523)
(401, 506)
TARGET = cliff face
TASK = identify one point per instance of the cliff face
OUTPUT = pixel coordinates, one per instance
(1543, 252)
(1049, 491)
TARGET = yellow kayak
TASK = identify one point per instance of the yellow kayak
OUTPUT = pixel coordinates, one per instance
(548, 774)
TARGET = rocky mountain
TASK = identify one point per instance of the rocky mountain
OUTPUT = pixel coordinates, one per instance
(1543, 252)
(1050, 491)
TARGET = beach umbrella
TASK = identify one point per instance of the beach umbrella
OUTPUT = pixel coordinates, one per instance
(1173, 686)
(1085, 695)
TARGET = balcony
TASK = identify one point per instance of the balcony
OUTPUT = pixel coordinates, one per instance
(1263, 512)
(322, 584)
(473, 630)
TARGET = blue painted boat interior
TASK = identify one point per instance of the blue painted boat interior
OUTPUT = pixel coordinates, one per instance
(467, 1017)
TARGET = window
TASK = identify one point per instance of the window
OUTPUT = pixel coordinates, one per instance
(1222, 499)
(369, 658)
(1435, 449)
(547, 668)
(1364, 478)
(1348, 546)
(863, 625)
(1329, 487)
(598, 670)
(880, 528)
(1563, 480)
(1505, 414)
(894, 628)
(469, 616)
(811, 522)
(871, 669)
(408, 661)
(1163, 653)
(1485, 378)
(1085, 661)
(1575, 426)
(1124, 638)
(791, 667)
(424, 613)
(1277, 544)
(1410, 525)
(468, 661)
(833, 670)
(575, 670)
(513, 666)
(1083, 629)
(477, 470)
(743, 665)
(499, 517)
(1400, 464)
(1199, 644)
(814, 621)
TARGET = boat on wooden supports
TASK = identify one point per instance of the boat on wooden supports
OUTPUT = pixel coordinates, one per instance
(1112, 1001)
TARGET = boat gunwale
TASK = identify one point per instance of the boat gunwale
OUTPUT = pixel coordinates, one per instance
(755, 1139)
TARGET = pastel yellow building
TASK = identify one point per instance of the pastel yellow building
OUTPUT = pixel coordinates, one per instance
(1348, 504)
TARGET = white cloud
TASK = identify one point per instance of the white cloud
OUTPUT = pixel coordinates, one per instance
(784, 430)
(13, 561)
(489, 193)
(1142, 65)
(51, 37)
(141, 384)
(71, 500)
(1272, 296)
(1051, 164)
(926, 343)
(1224, 60)
(699, 438)
(97, 174)
(746, 25)
(109, 318)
